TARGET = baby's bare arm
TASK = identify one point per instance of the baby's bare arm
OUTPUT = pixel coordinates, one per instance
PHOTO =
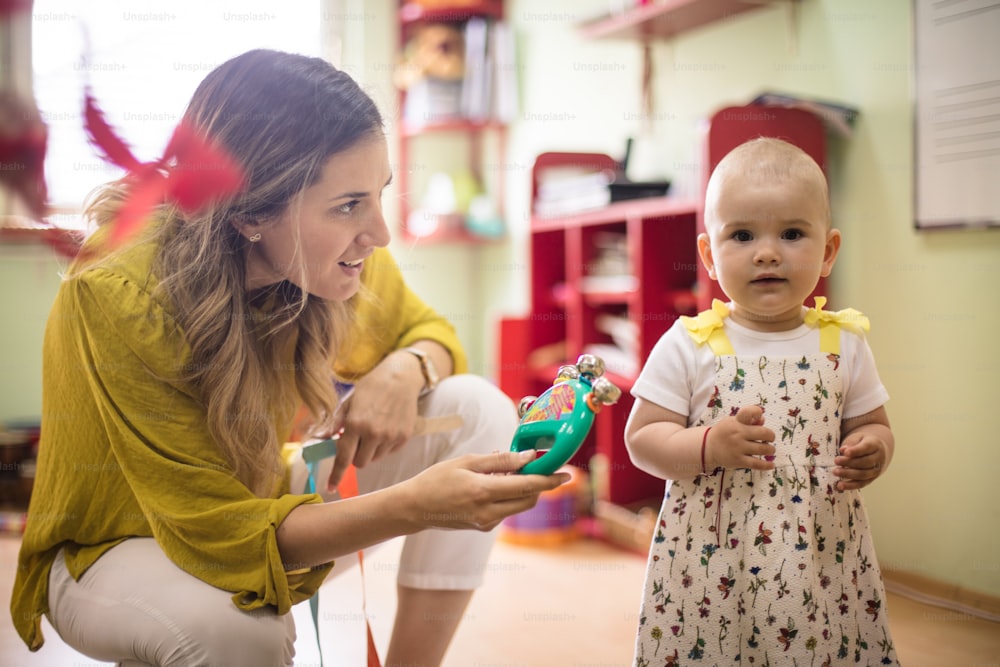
(660, 443)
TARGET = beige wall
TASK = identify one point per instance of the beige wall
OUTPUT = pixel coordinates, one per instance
(931, 296)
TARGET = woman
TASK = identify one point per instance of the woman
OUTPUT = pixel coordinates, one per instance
(160, 529)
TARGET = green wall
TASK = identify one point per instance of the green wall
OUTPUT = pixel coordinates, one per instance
(29, 278)
(931, 296)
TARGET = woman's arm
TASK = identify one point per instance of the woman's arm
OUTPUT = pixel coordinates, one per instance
(470, 492)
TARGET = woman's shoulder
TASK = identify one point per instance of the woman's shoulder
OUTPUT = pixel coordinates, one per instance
(110, 270)
(119, 290)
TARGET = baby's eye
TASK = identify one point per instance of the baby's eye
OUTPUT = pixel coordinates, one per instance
(742, 235)
(792, 234)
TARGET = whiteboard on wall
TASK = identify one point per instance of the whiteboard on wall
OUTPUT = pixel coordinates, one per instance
(957, 114)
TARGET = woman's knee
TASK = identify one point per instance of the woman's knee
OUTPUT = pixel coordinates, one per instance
(470, 395)
(489, 416)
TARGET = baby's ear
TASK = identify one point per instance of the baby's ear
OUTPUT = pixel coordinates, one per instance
(705, 253)
(830, 251)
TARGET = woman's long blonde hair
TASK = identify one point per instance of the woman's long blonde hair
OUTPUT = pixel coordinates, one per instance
(256, 357)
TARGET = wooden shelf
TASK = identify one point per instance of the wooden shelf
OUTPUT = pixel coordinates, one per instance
(461, 236)
(64, 241)
(666, 19)
(449, 12)
(651, 207)
(444, 126)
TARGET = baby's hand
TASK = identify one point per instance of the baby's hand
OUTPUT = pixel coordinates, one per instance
(740, 441)
(862, 459)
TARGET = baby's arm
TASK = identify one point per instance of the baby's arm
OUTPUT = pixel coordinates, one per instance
(660, 443)
(866, 449)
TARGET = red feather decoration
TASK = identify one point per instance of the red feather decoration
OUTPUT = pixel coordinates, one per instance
(202, 172)
(192, 172)
(102, 136)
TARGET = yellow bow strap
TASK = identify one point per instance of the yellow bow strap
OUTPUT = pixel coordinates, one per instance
(706, 327)
(830, 324)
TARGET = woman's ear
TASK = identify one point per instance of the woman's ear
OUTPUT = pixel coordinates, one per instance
(705, 252)
(247, 227)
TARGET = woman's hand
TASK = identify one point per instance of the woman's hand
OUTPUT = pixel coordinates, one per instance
(474, 491)
(379, 416)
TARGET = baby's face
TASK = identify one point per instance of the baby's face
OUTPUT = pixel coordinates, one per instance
(768, 241)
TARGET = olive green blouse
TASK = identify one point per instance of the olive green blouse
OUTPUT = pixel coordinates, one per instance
(125, 452)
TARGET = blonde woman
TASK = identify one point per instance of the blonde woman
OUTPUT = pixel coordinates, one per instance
(161, 529)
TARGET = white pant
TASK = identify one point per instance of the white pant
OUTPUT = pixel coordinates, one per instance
(135, 607)
(437, 559)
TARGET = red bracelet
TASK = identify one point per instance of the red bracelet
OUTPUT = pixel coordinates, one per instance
(704, 441)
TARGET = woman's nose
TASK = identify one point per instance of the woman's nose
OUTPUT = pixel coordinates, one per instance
(376, 232)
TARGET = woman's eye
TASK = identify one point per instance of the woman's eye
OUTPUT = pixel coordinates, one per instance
(348, 207)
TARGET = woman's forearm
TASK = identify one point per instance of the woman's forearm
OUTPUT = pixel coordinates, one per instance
(314, 534)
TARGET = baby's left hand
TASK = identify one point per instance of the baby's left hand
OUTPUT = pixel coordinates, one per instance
(862, 459)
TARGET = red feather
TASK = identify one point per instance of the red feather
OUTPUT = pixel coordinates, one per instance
(202, 173)
(103, 137)
(147, 191)
(192, 172)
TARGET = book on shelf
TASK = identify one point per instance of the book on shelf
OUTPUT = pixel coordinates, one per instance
(839, 118)
(568, 190)
(487, 89)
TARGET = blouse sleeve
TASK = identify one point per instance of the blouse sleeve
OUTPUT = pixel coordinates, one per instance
(207, 522)
(390, 316)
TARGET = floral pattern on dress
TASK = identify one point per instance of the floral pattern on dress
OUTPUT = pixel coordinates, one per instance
(767, 567)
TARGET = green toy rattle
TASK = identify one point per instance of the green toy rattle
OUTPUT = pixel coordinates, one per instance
(558, 421)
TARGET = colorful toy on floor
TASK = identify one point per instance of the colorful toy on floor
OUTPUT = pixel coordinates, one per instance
(558, 421)
(554, 519)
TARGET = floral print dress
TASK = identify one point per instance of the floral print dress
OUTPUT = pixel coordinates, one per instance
(769, 567)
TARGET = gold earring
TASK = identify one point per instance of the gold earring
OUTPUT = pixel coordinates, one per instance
(254, 238)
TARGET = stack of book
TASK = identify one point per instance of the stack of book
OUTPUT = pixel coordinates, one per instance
(567, 190)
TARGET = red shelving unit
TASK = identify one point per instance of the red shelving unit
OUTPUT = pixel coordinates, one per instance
(660, 248)
(665, 280)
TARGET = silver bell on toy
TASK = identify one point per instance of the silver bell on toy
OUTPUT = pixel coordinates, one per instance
(591, 366)
(605, 391)
(524, 405)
